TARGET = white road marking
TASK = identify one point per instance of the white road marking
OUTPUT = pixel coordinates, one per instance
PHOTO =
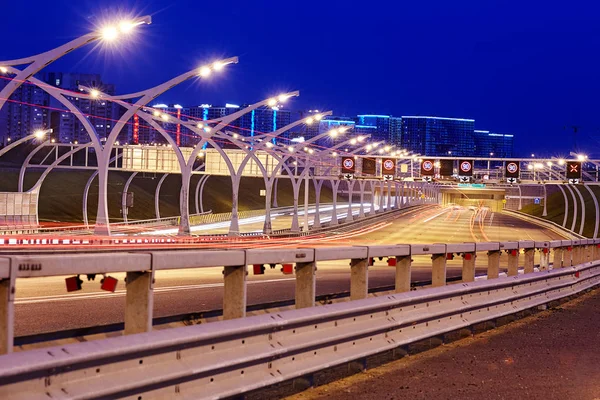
(119, 293)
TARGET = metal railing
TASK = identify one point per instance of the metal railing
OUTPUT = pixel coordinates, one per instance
(235, 356)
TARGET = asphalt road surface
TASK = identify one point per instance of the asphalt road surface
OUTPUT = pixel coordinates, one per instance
(43, 305)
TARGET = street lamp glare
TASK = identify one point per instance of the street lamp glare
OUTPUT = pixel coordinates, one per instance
(318, 117)
(581, 157)
(110, 33)
(282, 98)
(165, 117)
(39, 134)
(561, 162)
(549, 163)
(200, 126)
(360, 138)
(309, 121)
(272, 102)
(353, 141)
(94, 93)
(218, 65)
(334, 154)
(156, 113)
(4, 70)
(290, 149)
(205, 71)
(126, 26)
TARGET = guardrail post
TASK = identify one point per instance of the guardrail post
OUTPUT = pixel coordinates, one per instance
(306, 284)
(529, 260)
(596, 252)
(468, 267)
(568, 257)
(438, 270)
(7, 312)
(234, 296)
(359, 278)
(575, 255)
(493, 264)
(557, 261)
(513, 262)
(544, 259)
(139, 302)
(589, 250)
(403, 274)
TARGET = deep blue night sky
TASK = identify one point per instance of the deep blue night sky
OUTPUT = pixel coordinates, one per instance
(528, 68)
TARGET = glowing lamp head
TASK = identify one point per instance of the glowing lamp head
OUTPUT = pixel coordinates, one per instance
(369, 147)
(110, 33)
(387, 148)
(235, 135)
(200, 155)
(218, 66)
(164, 117)
(94, 93)
(353, 141)
(200, 126)
(310, 151)
(156, 113)
(581, 157)
(380, 151)
(282, 98)
(333, 132)
(4, 70)
(290, 149)
(269, 145)
(206, 129)
(360, 138)
(205, 71)
(561, 162)
(530, 166)
(272, 102)
(549, 164)
(309, 121)
(334, 154)
(39, 134)
(126, 26)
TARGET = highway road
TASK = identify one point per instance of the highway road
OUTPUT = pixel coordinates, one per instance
(43, 305)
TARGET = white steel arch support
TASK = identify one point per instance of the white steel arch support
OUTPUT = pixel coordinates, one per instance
(157, 196)
(564, 224)
(597, 210)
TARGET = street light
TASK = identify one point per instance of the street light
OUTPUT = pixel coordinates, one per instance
(112, 32)
(4, 70)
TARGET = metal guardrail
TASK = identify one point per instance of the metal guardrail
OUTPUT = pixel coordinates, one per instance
(234, 357)
(550, 225)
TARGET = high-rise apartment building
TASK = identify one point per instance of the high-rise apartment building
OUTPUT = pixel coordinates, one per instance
(25, 112)
(101, 113)
(437, 136)
(495, 145)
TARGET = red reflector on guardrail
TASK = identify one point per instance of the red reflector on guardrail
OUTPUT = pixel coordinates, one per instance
(545, 250)
(468, 256)
(513, 253)
(109, 284)
(73, 283)
(449, 256)
(569, 248)
(287, 269)
(392, 261)
(258, 269)
(577, 274)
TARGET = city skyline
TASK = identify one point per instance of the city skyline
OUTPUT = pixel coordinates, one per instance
(514, 75)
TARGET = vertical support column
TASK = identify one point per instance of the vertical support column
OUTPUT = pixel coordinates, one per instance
(438, 270)
(349, 216)
(372, 186)
(468, 267)
(317, 219)
(7, 310)
(306, 274)
(575, 255)
(359, 278)
(361, 212)
(544, 259)
(403, 273)
(234, 296)
(513, 262)
(139, 302)
(493, 264)
(529, 259)
(557, 260)
(381, 203)
(568, 257)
